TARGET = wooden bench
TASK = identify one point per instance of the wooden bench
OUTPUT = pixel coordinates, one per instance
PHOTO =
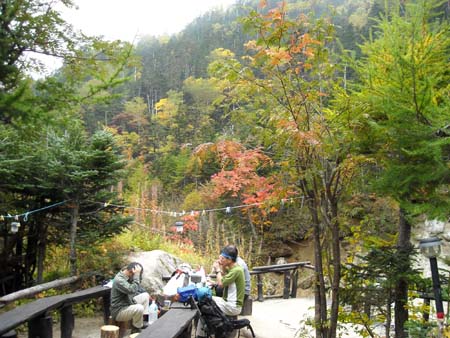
(177, 322)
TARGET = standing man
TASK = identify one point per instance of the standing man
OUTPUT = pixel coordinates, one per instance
(128, 302)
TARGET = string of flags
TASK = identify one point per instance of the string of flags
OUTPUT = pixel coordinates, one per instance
(15, 224)
(202, 212)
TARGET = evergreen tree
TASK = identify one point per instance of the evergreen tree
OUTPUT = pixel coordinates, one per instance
(403, 108)
(84, 172)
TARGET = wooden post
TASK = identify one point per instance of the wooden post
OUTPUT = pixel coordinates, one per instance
(106, 308)
(188, 332)
(67, 322)
(294, 283)
(260, 288)
(40, 327)
(426, 313)
(287, 284)
(109, 331)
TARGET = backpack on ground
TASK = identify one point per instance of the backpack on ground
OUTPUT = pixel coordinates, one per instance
(217, 323)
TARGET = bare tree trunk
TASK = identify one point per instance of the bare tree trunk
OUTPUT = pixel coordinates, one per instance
(388, 313)
(154, 206)
(401, 289)
(336, 263)
(252, 226)
(41, 247)
(73, 238)
(320, 292)
(120, 188)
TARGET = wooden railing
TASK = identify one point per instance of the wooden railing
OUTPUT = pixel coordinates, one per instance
(37, 314)
(175, 323)
(290, 271)
(178, 322)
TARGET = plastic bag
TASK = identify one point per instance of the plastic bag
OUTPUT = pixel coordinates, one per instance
(179, 279)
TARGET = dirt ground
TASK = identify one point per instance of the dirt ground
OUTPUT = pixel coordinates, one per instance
(84, 328)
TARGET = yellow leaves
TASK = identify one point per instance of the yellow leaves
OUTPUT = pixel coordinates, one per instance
(251, 44)
(161, 104)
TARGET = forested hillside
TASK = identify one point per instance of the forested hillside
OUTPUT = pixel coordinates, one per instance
(262, 125)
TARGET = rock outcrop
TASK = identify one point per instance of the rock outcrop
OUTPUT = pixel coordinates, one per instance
(156, 264)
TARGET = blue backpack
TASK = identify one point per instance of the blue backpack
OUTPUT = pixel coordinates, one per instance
(186, 292)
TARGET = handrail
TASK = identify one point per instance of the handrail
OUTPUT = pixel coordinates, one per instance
(279, 267)
(37, 313)
(290, 271)
(290, 276)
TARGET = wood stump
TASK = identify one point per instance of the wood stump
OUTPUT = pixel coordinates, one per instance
(109, 331)
(124, 327)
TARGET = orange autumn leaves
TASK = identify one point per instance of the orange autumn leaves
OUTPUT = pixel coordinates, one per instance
(273, 30)
(240, 176)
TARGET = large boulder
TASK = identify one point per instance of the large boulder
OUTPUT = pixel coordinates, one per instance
(156, 264)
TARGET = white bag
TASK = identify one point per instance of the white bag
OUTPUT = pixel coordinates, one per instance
(179, 279)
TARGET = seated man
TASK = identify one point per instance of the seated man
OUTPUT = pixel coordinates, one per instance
(230, 276)
(128, 302)
(247, 277)
(241, 262)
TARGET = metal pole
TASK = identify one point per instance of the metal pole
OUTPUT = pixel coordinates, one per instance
(437, 292)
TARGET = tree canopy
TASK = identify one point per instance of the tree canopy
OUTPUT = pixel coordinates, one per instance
(262, 125)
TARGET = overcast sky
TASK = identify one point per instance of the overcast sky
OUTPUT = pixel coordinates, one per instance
(130, 19)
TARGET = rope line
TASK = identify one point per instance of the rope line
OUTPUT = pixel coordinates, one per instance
(26, 214)
(155, 211)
